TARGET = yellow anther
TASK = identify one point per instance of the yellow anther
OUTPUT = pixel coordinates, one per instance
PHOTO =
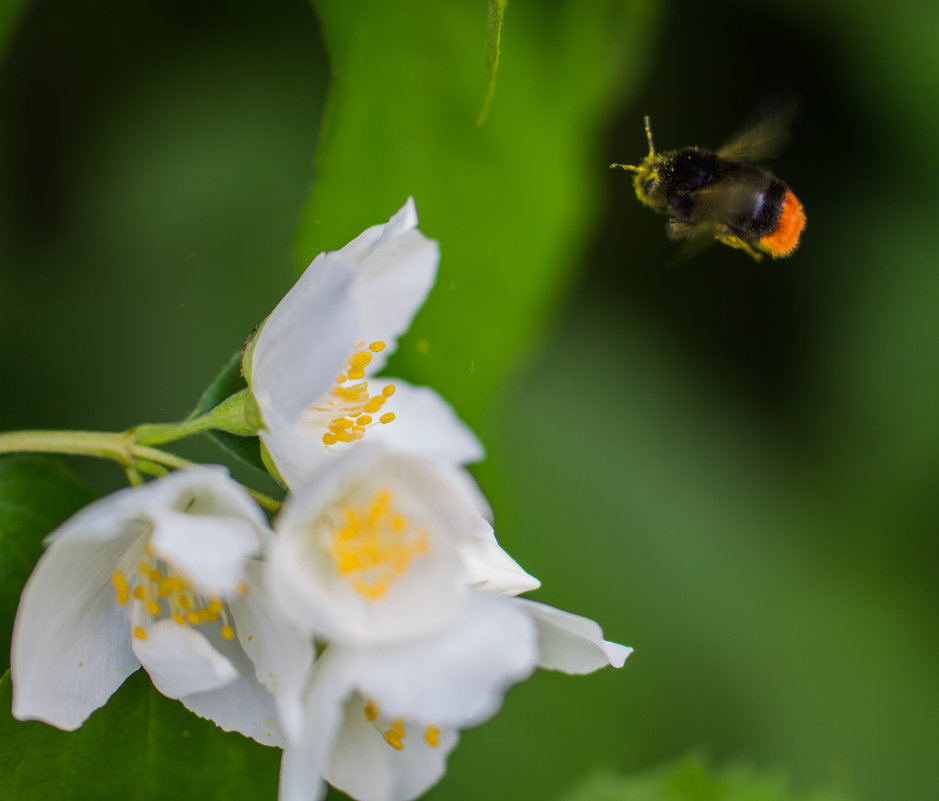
(374, 404)
(155, 576)
(168, 586)
(193, 617)
(345, 436)
(357, 431)
(364, 420)
(184, 601)
(360, 360)
(329, 438)
(215, 605)
(388, 391)
(376, 346)
(153, 607)
(144, 568)
(139, 633)
(228, 632)
(138, 592)
(121, 590)
(149, 550)
(432, 736)
(371, 710)
(355, 374)
(395, 734)
(177, 616)
(340, 423)
(242, 587)
(387, 417)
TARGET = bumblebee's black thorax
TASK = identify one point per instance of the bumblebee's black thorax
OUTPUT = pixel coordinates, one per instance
(749, 198)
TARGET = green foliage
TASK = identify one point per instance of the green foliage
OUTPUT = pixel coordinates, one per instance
(36, 495)
(509, 201)
(139, 747)
(691, 780)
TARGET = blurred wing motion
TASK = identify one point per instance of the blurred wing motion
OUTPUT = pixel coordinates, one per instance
(763, 140)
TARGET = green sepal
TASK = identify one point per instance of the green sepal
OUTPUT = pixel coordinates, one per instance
(227, 383)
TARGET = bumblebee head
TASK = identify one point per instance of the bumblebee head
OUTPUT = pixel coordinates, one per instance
(647, 181)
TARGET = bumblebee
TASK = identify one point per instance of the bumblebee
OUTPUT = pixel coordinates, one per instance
(723, 195)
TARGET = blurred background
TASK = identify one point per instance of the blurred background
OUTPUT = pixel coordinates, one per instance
(732, 466)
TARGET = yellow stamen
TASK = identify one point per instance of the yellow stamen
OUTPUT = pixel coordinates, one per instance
(363, 420)
(388, 391)
(387, 417)
(153, 607)
(121, 590)
(376, 346)
(139, 633)
(138, 592)
(432, 736)
(228, 632)
(395, 734)
(177, 616)
(371, 710)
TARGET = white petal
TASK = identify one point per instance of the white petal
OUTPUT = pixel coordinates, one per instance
(305, 340)
(424, 424)
(244, 705)
(71, 641)
(490, 568)
(572, 643)
(181, 661)
(396, 266)
(281, 653)
(210, 551)
(306, 752)
(366, 767)
(456, 677)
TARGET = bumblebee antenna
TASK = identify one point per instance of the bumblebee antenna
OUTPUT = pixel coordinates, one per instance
(649, 136)
(633, 167)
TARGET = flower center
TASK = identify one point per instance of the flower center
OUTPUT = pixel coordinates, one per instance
(347, 410)
(161, 591)
(395, 731)
(374, 544)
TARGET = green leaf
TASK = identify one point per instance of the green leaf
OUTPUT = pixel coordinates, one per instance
(36, 495)
(510, 201)
(493, 51)
(10, 13)
(140, 746)
(692, 780)
(227, 383)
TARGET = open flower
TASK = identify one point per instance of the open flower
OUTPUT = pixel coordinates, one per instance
(311, 366)
(370, 562)
(388, 564)
(165, 576)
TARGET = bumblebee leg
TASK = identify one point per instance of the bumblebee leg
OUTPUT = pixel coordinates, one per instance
(679, 230)
(726, 236)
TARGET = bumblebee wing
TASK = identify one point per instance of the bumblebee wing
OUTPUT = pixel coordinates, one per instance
(763, 140)
(728, 200)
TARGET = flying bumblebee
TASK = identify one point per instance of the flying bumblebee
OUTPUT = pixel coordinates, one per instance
(722, 195)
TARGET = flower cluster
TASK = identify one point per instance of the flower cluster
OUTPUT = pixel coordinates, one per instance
(362, 629)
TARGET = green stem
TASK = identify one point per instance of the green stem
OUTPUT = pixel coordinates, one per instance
(229, 416)
(122, 448)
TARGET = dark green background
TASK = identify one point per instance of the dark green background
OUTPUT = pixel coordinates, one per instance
(732, 466)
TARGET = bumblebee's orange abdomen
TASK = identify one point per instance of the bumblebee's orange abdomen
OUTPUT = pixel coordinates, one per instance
(784, 238)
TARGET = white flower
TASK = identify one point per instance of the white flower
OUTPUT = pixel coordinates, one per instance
(370, 561)
(312, 364)
(387, 562)
(165, 576)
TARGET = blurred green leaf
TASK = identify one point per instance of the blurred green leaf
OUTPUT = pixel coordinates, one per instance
(10, 13)
(691, 780)
(36, 494)
(227, 383)
(509, 201)
(493, 51)
(140, 746)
